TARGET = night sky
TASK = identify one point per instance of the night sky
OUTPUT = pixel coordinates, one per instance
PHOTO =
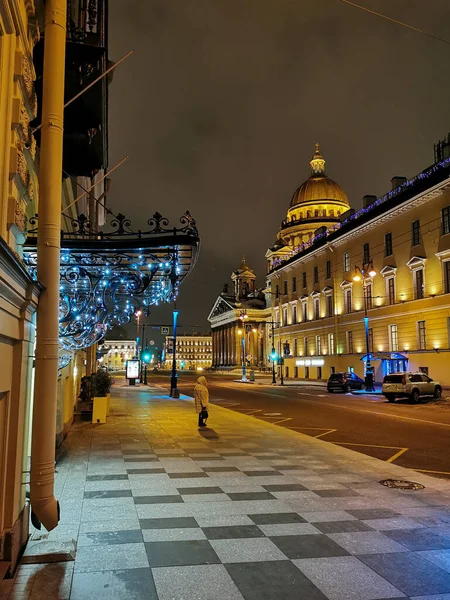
(221, 104)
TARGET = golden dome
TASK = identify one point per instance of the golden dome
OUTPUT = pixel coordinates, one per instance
(318, 187)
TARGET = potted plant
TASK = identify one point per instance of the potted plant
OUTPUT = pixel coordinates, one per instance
(101, 387)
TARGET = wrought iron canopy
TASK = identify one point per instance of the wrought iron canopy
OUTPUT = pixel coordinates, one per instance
(106, 276)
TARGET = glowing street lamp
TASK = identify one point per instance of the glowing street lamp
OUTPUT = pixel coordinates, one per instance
(362, 274)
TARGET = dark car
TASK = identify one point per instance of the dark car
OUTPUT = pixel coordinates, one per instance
(344, 382)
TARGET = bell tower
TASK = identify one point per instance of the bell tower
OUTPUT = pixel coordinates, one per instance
(243, 280)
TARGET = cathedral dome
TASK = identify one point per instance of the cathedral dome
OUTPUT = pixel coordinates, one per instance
(318, 187)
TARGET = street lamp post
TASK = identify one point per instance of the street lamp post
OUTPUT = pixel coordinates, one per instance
(243, 317)
(361, 274)
(174, 391)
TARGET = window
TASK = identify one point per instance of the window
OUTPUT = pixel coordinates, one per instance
(415, 233)
(318, 345)
(304, 279)
(366, 253)
(328, 269)
(285, 287)
(285, 316)
(331, 343)
(424, 370)
(287, 373)
(329, 305)
(388, 244)
(316, 274)
(421, 335)
(294, 284)
(305, 346)
(348, 301)
(294, 313)
(393, 338)
(447, 276)
(306, 372)
(346, 261)
(390, 285)
(418, 284)
(296, 347)
(305, 311)
(277, 291)
(369, 296)
(370, 336)
(446, 220)
(296, 372)
(319, 372)
(316, 308)
(350, 342)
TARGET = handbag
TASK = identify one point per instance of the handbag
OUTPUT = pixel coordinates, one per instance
(204, 414)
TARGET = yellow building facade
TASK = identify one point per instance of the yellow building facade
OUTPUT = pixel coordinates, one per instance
(193, 352)
(403, 239)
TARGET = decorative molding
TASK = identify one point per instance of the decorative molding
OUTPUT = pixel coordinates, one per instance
(346, 284)
(388, 271)
(416, 262)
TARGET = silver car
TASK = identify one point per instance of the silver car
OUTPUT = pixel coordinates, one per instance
(410, 385)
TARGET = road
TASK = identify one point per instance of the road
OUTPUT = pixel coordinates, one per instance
(414, 436)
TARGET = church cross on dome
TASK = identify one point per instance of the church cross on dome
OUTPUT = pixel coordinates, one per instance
(317, 162)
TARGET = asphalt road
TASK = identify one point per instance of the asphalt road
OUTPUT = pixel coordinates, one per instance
(411, 435)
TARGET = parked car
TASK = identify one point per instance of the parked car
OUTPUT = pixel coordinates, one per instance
(344, 382)
(410, 385)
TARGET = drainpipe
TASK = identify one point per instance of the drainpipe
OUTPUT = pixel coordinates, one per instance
(44, 506)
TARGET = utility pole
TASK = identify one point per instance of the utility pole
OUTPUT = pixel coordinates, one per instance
(44, 506)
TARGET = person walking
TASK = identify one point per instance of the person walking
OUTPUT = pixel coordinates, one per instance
(201, 398)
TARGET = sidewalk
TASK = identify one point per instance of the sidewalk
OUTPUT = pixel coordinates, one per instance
(242, 509)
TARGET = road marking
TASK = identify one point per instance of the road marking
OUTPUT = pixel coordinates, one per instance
(427, 471)
(303, 394)
(389, 460)
(399, 453)
(250, 411)
(272, 414)
(282, 421)
(325, 433)
(322, 396)
(376, 412)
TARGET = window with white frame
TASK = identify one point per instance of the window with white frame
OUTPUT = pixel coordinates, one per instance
(318, 345)
(369, 295)
(331, 343)
(316, 302)
(305, 346)
(285, 316)
(348, 300)
(305, 310)
(446, 267)
(393, 338)
(295, 347)
(329, 305)
(294, 313)
(390, 290)
(446, 220)
(418, 279)
(421, 335)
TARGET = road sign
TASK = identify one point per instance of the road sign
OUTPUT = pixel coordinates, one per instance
(152, 342)
(164, 330)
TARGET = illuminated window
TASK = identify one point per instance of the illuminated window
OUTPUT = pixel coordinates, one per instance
(331, 343)
(318, 345)
(390, 289)
(305, 346)
(419, 291)
(348, 301)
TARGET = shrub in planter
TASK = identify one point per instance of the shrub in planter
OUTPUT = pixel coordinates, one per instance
(101, 383)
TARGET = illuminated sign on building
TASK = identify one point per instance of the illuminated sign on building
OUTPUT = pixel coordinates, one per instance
(310, 362)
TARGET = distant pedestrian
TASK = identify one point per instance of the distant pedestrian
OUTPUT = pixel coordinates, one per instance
(201, 398)
(369, 380)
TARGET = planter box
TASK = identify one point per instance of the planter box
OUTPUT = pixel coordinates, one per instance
(99, 410)
(108, 403)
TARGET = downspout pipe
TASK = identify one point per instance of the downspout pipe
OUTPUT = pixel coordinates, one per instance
(44, 506)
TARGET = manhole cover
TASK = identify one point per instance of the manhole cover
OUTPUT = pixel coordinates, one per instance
(271, 414)
(402, 484)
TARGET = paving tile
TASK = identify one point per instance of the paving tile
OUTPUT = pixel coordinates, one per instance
(247, 550)
(171, 554)
(409, 573)
(110, 557)
(169, 523)
(251, 496)
(342, 526)
(419, 539)
(199, 490)
(336, 493)
(187, 475)
(145, 451)
(366, 542)
(130, 536)
(223, 520)
(167, 499)
(373, 513)
(276, 518)
(129, 584)
(173, 535)
(206, 498)
(308, 546)
(99, 494)
(145, 471)
(262, 473)
(106, 477)
(220, 469)
(279, 580)
(346, 578)
(440, 558)
(121, 524)
(201, 582)
(394, 523)
(232, 532)
(287, 487)
(283, 529)
(326, 516)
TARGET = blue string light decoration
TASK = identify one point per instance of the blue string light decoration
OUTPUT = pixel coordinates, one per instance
(107, 276)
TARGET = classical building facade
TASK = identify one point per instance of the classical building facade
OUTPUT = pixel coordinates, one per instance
(193, 352)
(389, 261)
(117, 352)
(239, 323)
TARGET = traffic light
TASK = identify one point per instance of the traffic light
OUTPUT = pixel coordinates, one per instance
(146, 356)
(274, 355)
(286, 348)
